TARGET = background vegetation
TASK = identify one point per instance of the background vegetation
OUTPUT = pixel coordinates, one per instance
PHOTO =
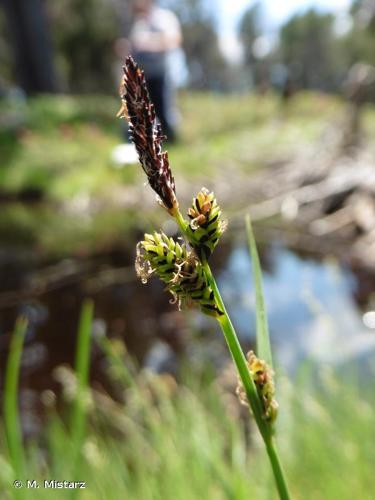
(313, 49)
(160, 440)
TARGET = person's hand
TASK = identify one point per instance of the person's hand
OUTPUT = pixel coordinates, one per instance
(155, 42)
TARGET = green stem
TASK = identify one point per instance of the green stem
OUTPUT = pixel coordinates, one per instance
(239, 359)
(238, 356)
(180, 221)
(277, 469)
(250, 388)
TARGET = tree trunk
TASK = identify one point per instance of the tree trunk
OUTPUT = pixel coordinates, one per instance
(31, 44)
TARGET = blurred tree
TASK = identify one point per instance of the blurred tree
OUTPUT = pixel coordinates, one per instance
(6, 74)
(250, 31)
(84, 32)
(312, 53)
(207, 64)
(359, 42)
(28, 31)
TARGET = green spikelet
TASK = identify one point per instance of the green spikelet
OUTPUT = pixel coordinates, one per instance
(205, 225)
(160, 254)
(178, 268)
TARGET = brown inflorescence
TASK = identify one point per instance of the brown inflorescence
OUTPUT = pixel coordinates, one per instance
(146, 133)
(263, 378)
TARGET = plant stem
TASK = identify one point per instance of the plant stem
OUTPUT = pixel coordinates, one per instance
(239, 359)
(238, 355)
(277, 469)
(180, 221)
(250, 388)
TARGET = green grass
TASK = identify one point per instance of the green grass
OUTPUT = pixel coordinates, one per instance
(188, 441)
(61, 147)
(10, 408)
(63, 144)
(82, 369)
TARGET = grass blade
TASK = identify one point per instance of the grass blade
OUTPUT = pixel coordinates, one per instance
(11, 414)
(78, 421)
(262, 333)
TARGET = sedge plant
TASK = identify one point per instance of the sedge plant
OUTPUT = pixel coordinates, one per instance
(183, 265)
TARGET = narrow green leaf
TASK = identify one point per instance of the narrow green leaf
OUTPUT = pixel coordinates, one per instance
(11, 413)
(262, 333)
(82, 365)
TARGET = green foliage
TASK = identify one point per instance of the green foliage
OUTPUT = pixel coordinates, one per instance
(61, 147)
(316, 49)
(5, 52)
(82, 367)
(63, 144)
(167, 441)
(359, 42)
(83, 34)
(11, 414)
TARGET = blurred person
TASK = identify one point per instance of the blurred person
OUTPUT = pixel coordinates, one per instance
(154, 34)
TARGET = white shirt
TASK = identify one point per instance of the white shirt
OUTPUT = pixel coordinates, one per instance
(157, 21)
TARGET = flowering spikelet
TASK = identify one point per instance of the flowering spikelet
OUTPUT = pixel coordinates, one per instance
(178, 268)
(205, 226)
(146, 133)
(263, 379)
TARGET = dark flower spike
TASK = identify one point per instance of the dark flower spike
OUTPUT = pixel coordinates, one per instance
(205, 226)
(178, 268)
(146, 134)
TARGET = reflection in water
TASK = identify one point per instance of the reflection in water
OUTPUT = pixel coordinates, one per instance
(311, 307)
